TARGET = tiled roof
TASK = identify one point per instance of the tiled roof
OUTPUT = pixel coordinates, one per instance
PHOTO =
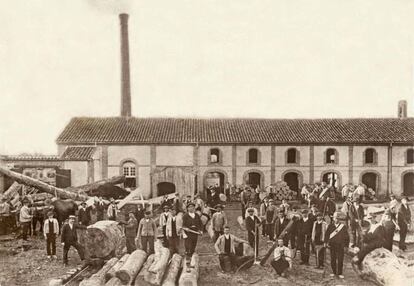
(29, 157)
(110, 130)
(78, 153)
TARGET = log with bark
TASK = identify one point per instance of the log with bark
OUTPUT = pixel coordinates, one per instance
(158, 267)
(139, 280)
(114, 281)
(189, 276)
(173, 270)
(28, 181)
(116, 267)
(105, 238)
(95, 185)
(132, 266)
(11, 192)
(98, 278)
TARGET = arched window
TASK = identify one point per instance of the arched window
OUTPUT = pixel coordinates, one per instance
(292, 156)
(370, 156)
(214, 155)
(331, 156)
(130, 173)
(410, 156)
(253, 156)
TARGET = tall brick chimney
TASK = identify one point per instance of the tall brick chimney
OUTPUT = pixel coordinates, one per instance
(402, 109)
(125, 71)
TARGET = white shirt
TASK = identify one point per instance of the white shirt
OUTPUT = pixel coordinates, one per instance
(192, 215)
(305, 219)
(373, 227)
(227, 236)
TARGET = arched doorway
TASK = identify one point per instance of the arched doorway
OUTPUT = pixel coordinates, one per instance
(371, 180)
(332, 179)
(253, 179)
(292, 180)
(215, 179)
(165, 188)
(408, 184)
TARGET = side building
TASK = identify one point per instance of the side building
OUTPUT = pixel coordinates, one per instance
(163, 155)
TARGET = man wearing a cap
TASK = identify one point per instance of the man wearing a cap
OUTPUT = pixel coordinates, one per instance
(337, 237)
(25, 218)
(270, 219)
(304, 234)
(163, 224)
(356, 216)
(51, 231)
(84, 215)
(244, 199)
(192, 227)
(252, 223)
(147, 231)
(280, 225)
(218, 222)
(70, 238)
(373, 238)
(112, 211)
(404, 220)
(318, 237)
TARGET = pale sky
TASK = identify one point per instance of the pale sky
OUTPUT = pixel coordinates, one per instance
(207, 58)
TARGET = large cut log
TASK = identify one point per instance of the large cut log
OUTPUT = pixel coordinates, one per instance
(95, 185)
(173, 270)
(12, 191)
(132, 266)
(158, 267)
(105, 238)
(28, 181)
(98, 278)
(139, 280)
(189, 276)
(116, 267)
(384, 268)
(114, 281)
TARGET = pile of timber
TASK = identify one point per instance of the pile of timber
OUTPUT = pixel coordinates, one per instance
(104, 239)
(139, 269)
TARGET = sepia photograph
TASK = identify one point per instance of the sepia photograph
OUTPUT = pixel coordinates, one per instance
(206, 143)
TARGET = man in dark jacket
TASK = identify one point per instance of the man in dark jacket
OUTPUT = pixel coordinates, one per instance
(356, 216)
(70, 238)
(192, 228)
(404, 220)
(100, 209)
(84, 215)
(131, 228)
(390, 227)
(304, 234)
(337, 237)
(280, 225)
(252, 227)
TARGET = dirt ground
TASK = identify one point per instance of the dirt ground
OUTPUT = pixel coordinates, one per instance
(31, 267)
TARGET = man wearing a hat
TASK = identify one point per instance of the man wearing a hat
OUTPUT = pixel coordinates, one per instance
(50, 232)
(281, 222)
(252, 226)
(304, 234)
(84, 214)
(404, 221)
(163, 223)
(70, 238)
(373, 238)
(318, 237)
(112, 211)
(192, 227)
(356, 216)
(147, 232)
(25, 218)
(218, 222)
(131, 229)
(390, 226)
(270, 219)
(338, 239)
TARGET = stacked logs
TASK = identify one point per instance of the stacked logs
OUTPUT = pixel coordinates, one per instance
(281, 191)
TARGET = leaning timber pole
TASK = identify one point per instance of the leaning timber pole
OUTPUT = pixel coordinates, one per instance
(28, 181)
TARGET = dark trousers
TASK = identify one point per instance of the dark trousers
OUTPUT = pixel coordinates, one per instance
(51, 244)
(304, 247)
(164, 233)
(243, 209)
(227, 261)
(35, 220)
(173, 244)
(25, 229)
(355, 235)
(190, 244)
(147, 241)
(99, 216)
(251, 240)
(403, 235)
(293, 240)
(320, 255)
(337, 258)
(270, 230)
(280, 265)
(217, 234)
(130, 244)
(78, 248)
(368, 247)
